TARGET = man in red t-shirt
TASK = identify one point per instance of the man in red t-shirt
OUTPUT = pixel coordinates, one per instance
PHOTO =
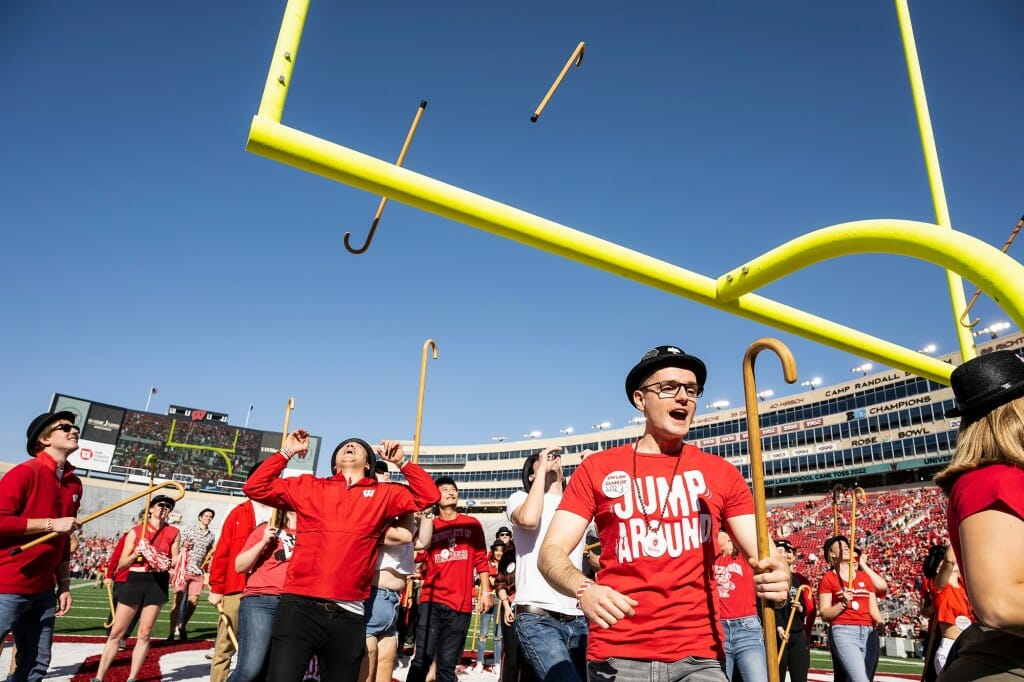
(658, 504)
(446, 597)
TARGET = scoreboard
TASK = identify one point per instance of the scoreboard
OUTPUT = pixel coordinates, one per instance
(193, 446)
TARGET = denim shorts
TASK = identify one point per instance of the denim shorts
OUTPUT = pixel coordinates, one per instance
(381, 612)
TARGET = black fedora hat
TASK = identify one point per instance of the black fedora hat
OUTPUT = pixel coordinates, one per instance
(664, 356)
(39, 424)
(161, 499)
(986, 382)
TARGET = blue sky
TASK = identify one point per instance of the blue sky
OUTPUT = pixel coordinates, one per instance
(144, 247)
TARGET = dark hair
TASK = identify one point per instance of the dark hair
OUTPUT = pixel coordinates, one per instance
(932, 561)
(207, 510)
(496, 544)
(445, 480)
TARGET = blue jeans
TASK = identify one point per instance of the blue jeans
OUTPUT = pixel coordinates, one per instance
(850, 644)
(484, 631)
(744, 648)
(29, 617)
(255, 624)
(440, 636)
(689, 669)
(556, 650)
(380, 612)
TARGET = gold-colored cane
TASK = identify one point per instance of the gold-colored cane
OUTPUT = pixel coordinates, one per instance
(223, 617)
(853, 528)
(429, 343)
(576, 56)
(757, 474)
(287, 417)
(792, 612)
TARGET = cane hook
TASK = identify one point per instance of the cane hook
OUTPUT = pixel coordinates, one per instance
(837, 490)
(429, 343)
(384, 200)
(965, 319)
(757, 472)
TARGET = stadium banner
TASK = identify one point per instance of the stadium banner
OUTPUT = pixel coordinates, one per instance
(92, 455)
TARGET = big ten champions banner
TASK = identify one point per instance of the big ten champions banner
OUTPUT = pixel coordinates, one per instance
(197, 447)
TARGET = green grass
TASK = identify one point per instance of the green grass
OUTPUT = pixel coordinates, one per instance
(90, 609)
(908, 666)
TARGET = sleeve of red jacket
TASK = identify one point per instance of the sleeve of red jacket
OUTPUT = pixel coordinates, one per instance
(266, 485)
(222, 552)
(14, 487)
(424, 490)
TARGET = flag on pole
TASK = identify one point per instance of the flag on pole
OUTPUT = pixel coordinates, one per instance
(152, 391)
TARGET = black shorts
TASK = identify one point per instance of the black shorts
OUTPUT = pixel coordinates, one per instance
(144, 589)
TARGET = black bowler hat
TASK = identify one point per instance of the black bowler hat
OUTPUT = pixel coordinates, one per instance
(664, 356)
(39, 424)
(161, 499)
(986, 382)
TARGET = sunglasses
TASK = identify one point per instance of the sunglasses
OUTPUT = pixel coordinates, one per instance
(164, 505)
(66, 428)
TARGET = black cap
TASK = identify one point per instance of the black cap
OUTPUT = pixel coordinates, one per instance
(371, 456)
(161, 499)
(986, 382)
(664, 356)
(39, 424)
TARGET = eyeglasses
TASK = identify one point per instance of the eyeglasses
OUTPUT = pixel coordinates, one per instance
(670, 389)
(66, 428)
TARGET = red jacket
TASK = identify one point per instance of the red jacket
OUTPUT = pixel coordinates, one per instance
(31, 491)
(224, 579)
(338, 525)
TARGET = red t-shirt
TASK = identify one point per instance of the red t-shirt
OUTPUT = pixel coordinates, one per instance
(735, 586)
(268, 573)
(678, 613)
(951, 606)
(458, 546)
(858, 612)
(115, 558)
(997, 486)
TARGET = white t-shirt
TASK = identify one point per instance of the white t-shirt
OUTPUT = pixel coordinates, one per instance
(531, 586)
(396, 558)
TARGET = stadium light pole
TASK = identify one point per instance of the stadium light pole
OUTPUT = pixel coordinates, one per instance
(863, 369)
(765, 394)
(499, 439)
(929, 349)
(811, 384)
(717, 405)
(566, 431)
(533, 434)
(637, 420)
(993, 329)
(602, 426)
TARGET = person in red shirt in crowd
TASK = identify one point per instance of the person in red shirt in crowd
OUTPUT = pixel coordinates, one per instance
(985, 517)
(658, 504)
(744, 636)
(264, 558)
(115, 579)
(150, 551)
(227, 584)
(39, 496)
(849, 607)
(926, 595)
(446, 597)
(340, 523)
(796, 658)
(953, 612)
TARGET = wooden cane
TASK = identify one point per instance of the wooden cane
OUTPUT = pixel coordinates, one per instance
(853, 528)
(384, 200)
(757, 475)
(592, 546)
(792, 612)
(837, 489)
(227, 625)
(106, 510)
(287, 417)
(576, 56)
(151, 463)
(429, 343)
(110, 599)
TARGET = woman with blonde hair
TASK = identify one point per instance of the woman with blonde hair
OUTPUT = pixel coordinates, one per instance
(985, 515)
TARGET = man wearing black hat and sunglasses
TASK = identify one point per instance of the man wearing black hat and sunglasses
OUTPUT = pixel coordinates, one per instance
(340, 522)
(659, 504)
(39, 496)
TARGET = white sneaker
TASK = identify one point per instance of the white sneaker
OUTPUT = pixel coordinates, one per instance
(496, 669)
